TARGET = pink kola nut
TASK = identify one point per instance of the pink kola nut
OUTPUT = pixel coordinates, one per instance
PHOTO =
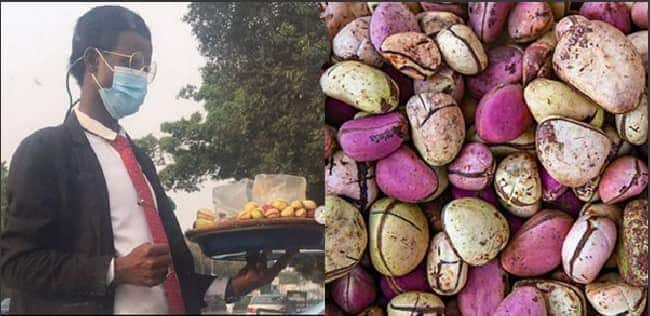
(473, 168)
(390, 18)
(355, 291)
(551, 189)
(587, 246)
(484, 290)
(415, 280)
(626, 177)
(502, 114)
(537, 247)
(504, 67)
(455, 8)
(488, 19)
(522, 301)
(615, 13)
(405, 177)
(373, 137)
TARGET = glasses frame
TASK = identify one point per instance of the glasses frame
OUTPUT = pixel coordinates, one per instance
(149, 69)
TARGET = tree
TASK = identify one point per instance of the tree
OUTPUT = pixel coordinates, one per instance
(260, 90)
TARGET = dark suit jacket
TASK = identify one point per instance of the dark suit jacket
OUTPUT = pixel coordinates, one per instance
(58, 241)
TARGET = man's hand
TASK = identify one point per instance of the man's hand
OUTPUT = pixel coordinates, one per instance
(256, 274)
(146, 265)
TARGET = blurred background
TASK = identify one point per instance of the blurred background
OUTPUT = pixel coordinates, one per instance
(235, 95)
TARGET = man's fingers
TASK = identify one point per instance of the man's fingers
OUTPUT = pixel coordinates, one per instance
(162, 262)
(252, 257)
(282, 262)
(158, 250)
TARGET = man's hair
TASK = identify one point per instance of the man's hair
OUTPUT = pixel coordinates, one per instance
(100, 28)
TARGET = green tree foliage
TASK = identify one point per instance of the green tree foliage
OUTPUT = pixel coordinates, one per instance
(263, 107)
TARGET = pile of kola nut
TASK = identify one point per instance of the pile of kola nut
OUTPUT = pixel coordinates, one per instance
(486, 158)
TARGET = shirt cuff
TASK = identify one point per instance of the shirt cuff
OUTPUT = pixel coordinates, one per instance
(110, 275)
(217, 287)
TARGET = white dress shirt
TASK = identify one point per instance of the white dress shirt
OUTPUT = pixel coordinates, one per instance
(130, 228)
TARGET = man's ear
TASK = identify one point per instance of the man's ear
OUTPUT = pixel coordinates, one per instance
(91, 60)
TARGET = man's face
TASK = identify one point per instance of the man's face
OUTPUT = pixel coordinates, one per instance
(128, 43)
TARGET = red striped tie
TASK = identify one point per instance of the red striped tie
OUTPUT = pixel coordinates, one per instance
(172, 285)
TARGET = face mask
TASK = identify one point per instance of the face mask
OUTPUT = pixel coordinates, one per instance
(127, 93)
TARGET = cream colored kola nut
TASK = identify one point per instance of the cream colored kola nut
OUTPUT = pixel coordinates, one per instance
(280, 204)
(415, 303)
(309, 204)
(546, 97)
(446, 271)
(462, 50)
(412, 53)
(244, 215)
(399, 235)
(295, 204)
(257, 213)
(611, 296)
(301, 212)
(431, 22)
(346, 237)
(633, 126)
(562, 299)
(518, 185)
(476, 229)
(287, 212)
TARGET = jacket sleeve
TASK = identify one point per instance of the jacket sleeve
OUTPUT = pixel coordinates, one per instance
(29, 261)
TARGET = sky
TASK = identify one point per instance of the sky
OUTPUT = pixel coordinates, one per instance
(36, 46)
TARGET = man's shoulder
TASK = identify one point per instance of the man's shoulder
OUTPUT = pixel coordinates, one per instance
(43, 140)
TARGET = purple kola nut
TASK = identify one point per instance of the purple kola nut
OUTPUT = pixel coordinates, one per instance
(591, 55)
(502, 115)
(485, 288)
(504, 67)
(572, 152)
(404, 176)
(415, 280)
(373, 137)
(455, 8)
(352, 179)
(529, 20)
(444, 80)
(487, 194)
(551, 189)
(639, 14)
(487, 19)
(518, 184)
(615, 13)
(473, 168)
(626, 177)
(522, 301)
(353, 42)
(568, 202)
(587, 246)
(337, 112)
(437, 127)
(390, 18)
(537, 247)
(355, 291)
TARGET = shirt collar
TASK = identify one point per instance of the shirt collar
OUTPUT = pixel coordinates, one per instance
(95, 127)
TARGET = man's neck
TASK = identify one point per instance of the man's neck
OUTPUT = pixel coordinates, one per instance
(94, 108)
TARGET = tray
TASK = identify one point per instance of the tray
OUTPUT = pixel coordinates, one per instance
(231, 239)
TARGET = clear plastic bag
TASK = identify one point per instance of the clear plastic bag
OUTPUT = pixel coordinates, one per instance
(230, 196)
(268, 187)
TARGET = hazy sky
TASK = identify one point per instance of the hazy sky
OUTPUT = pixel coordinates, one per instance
(36, 46)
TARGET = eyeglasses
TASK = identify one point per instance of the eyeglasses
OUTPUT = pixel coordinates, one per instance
(136, 61)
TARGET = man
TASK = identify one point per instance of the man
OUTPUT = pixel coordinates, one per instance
(90, 228)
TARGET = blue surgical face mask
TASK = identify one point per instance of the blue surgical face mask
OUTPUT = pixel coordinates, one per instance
(127, 93)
